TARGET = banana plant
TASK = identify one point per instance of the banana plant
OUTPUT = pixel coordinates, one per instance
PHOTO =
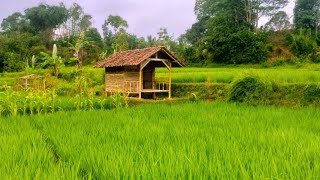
(53, 60)
(77, 47)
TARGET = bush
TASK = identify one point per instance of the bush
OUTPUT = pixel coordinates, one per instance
(250, 89)
(302, 44)
(312, 94)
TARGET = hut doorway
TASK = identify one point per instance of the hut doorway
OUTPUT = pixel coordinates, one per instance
(150, 84)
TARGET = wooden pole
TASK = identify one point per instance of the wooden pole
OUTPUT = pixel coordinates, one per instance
(170, 77)
(140, 82)
(154, 82)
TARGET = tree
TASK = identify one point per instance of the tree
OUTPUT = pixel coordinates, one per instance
(95, 46)
(77, 21)
(45, 17)
(136, 42)
(265, 8)
(15, 22)
(230, 35)
(53, 60)
(116, 23)
(115, 35)
(279, 22)
(16, 48)
(164, 39)
(151, 41)
(307, 15)
(245, 10)
(121, 41)
(197, 31)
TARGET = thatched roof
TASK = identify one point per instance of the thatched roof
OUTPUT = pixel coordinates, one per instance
(136, 57)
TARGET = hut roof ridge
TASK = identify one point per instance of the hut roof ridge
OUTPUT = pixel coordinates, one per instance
(133, 57)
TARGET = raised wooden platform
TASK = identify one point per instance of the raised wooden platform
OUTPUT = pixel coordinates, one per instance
(154, 91)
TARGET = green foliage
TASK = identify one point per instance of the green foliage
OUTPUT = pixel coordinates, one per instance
(53, 60)
(243, 11)
(250, 89)
(16, 49)
(14, 103)
(79, 44)
(312, 94)
(46, 17)
(306, 15)
(303, 44)
(77, 21)
(229, 36)
(279, 22)
(15, 22)
(116, 23)
(94, 48)
(237, 48)
(115, 35)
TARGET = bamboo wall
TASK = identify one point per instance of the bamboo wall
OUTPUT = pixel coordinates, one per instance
(126, 79)
(115, 79)
(114, 82)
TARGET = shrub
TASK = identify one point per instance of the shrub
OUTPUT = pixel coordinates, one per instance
(312, 94)
(279, 61)
(250, 89)
(302, 44)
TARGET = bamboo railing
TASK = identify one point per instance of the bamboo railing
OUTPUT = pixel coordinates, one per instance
(133, 86)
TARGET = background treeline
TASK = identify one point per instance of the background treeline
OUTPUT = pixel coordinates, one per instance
(226, 31)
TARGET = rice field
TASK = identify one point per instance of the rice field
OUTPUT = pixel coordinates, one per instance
(307, 73)
(281, 75)
(184, 141)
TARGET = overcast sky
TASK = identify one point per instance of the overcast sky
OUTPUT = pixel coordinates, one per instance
(145, 17)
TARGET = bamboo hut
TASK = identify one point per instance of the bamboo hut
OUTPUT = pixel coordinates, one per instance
(133, 72)
(33, 81)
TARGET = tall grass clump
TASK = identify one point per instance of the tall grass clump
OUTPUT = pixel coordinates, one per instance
(250, 89)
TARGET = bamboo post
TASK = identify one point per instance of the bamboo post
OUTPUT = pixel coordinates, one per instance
(140, 82)
(170, 77)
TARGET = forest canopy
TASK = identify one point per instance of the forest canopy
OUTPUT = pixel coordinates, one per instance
(226, 32)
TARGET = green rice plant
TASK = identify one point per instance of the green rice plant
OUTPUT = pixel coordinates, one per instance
(11, 100)
(2, 109)
(119, 101)
(192, 140)
(24, 154)
(52, 96)
(288, 74)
